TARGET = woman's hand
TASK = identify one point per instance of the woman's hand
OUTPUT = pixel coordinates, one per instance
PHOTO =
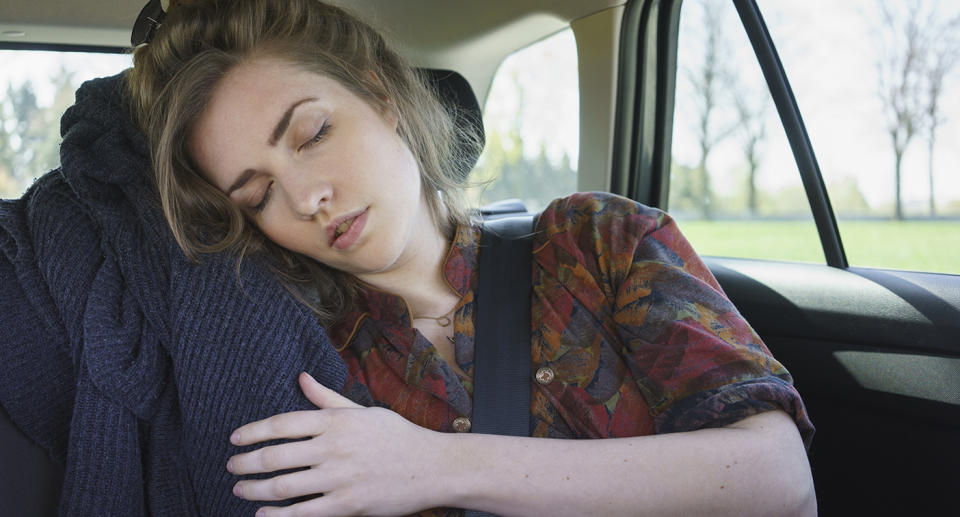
(368, 461)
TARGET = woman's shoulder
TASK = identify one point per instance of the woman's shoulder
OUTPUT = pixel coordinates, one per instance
(611, 233)
(605, 215)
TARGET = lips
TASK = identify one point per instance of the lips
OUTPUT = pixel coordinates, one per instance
(345, 230)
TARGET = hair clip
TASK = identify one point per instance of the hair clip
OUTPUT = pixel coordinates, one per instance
(147, 22)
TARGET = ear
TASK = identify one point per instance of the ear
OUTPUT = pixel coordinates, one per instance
(391, 114)
(389, 108)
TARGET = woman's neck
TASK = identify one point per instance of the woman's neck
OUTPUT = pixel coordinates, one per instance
(421, 280)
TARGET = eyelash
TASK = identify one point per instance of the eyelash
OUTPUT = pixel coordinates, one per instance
(317, 137)
(263, 202)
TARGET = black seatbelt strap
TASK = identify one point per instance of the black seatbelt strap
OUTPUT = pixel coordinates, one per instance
(501, 362)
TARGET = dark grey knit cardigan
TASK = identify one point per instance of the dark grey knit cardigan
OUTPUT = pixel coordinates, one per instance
(128, 363)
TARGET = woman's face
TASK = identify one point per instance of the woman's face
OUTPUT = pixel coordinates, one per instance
(318, 170)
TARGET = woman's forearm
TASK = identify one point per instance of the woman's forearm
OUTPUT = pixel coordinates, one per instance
(757, 466)
(371, 461)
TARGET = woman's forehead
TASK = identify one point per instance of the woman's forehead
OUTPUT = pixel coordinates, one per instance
(264, 91)
(277, 78)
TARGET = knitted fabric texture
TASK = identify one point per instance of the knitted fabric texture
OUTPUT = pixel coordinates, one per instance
(129, 364)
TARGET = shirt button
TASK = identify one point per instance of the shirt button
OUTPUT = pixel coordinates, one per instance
(545, 375)
(462, 424)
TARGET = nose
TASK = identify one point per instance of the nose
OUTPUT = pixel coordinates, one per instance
(308, 194)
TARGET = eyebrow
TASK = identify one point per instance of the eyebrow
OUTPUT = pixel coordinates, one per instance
(278, 132)
(285, 121)
(241, 180)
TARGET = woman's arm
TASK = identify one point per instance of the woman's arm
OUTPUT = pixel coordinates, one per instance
(754, 467)
(372, 461)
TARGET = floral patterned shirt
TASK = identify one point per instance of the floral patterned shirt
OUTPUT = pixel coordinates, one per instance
(637, 334)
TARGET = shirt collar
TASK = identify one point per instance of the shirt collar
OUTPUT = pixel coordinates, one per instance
(461, 261)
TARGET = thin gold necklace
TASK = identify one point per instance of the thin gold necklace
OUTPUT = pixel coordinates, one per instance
(443, 321)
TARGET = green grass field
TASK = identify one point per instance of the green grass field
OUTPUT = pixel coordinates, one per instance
(910, 245)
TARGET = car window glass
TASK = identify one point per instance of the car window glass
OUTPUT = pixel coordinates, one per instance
(875, 83)
(734, 184)
(531, 120)
(37, 86)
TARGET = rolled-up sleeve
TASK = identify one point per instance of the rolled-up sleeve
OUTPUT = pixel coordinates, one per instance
(695, 360)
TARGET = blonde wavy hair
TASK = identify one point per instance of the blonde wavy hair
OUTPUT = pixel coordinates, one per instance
(199, 42)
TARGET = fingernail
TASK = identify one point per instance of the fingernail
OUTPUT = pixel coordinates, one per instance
(235, 438)
(261, 513)
(311, 376)
(238, 490)
(230, 465)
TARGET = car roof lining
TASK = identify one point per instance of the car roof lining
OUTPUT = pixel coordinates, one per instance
(469, 37)
(423, 28)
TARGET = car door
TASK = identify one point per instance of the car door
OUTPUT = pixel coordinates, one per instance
(875, 351)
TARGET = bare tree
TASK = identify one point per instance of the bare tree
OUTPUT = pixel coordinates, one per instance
(711, 82)
(753, 131)
(900, 72)
(942, 55)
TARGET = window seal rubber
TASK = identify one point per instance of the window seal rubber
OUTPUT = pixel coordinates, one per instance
(796, 131)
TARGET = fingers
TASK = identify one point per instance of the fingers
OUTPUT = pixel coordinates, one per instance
(322, 396)
(306, 453)
(277, 457)
(296, 484)
(327, 505)
(296, 424)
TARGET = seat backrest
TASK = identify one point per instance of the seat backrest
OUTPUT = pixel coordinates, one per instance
(457, 94)
(29, 480)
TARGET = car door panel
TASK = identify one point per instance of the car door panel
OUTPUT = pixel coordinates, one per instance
(876, 356)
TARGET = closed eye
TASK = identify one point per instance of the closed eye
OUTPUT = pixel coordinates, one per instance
(316, 138)
(263, 202)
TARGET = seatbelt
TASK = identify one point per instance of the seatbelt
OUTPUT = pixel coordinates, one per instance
(501, 361)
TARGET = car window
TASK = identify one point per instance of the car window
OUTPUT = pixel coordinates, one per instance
(37, 86)
(872, 85)
(531, 120)
(875, 83)
(734, 183)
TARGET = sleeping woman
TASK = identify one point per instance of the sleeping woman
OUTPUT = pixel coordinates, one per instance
(288, 131)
